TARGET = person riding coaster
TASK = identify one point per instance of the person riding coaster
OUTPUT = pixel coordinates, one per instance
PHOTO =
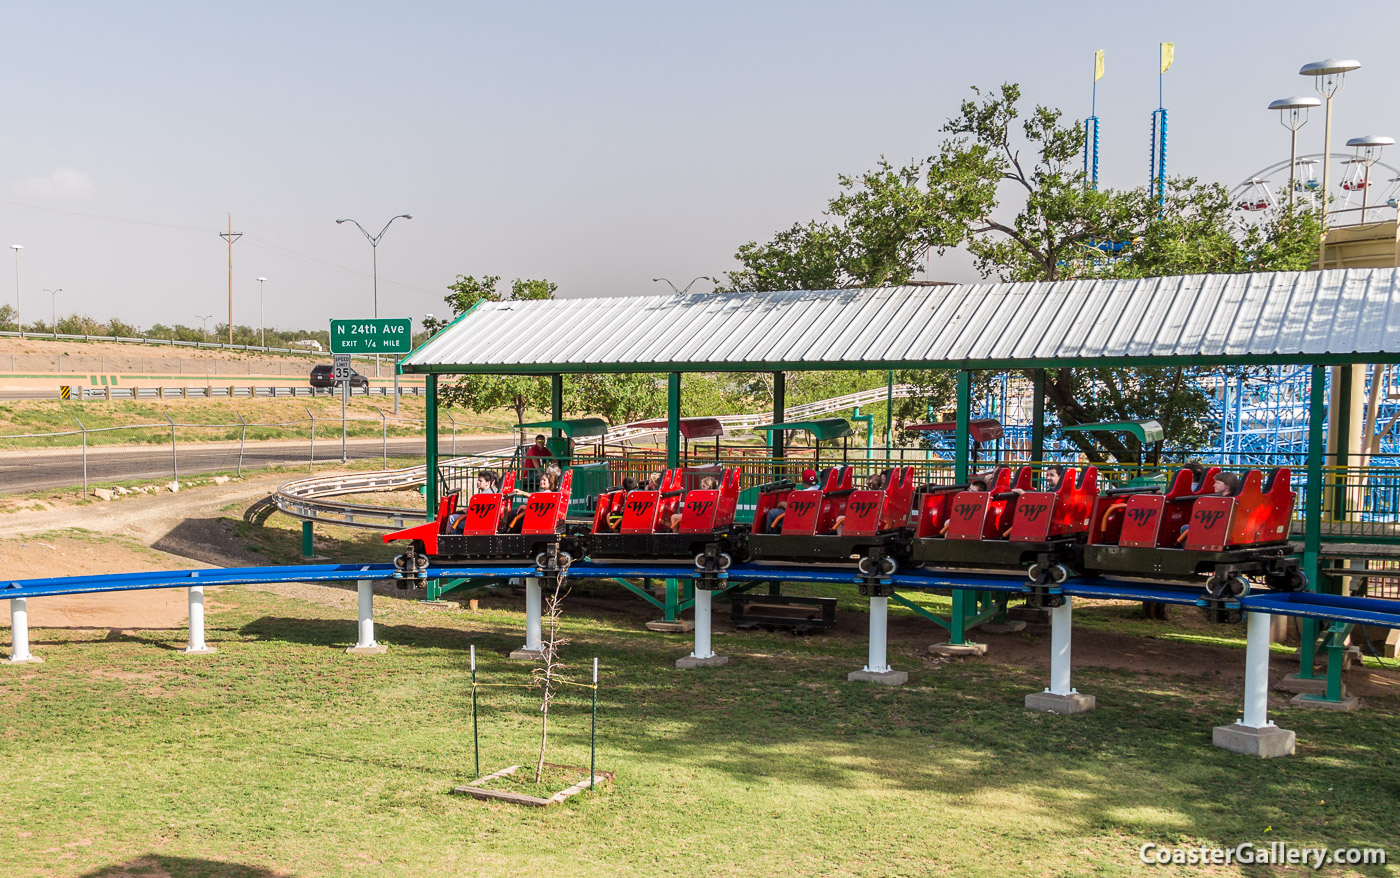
(999, 523)
(835, 521)
(1199, 529)
(487, 528)
(669, 521)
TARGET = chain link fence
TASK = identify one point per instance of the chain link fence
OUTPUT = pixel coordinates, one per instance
(110, 456)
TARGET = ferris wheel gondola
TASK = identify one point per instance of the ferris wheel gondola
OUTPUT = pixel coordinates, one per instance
(1257, 196)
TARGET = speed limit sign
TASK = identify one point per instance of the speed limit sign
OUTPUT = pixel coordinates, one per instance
(340, 367)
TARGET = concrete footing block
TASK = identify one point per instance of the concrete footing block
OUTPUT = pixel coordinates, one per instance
(1033, 615)
(526, 655)
(1011, 627)
(1074, 702)
(1298, 685)
(208, 650)
(680, 626)
(1267, 743)
(32, 660)
(377, 649)
(1309, 699)
(691, 661)
(884, 678)
(958, 649)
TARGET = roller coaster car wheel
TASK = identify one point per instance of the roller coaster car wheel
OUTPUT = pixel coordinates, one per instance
(541, 560)
(1294, 580)
(1059, 574)
(1054, 600)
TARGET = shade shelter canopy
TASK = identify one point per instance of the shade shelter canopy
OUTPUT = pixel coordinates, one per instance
(980, 429)
(822, 429)
(1312, 317)
(1145, 431)
(690, 428)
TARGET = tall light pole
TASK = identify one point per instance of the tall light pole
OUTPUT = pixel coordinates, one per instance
(1368, 150)
(53, 310)
(1293, 114)
(230, 236)
(374, 249)
(1328, 78)
(262, 325)
(19, 317)
(204, 327)
(687, 286)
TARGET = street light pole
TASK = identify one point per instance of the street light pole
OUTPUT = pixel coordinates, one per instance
(1293, 114)
(262, 324)
(19, 316)
(1368, 150)
(687, 286)
(374, 249)
(53, 310)
(1328, 78)
(204, 327)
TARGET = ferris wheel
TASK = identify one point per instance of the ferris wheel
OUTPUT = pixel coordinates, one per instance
(1378, 188)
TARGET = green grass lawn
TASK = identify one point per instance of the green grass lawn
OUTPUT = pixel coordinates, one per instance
(280, 754)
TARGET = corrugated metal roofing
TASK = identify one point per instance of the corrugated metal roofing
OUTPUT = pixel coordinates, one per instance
(1348, 315)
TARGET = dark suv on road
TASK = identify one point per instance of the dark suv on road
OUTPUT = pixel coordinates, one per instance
(323, 376)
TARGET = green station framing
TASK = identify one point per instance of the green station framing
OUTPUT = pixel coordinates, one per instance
(1347, 299)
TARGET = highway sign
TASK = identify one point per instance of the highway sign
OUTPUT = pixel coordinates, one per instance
(380, 336)
(65, 391)
(340, 367)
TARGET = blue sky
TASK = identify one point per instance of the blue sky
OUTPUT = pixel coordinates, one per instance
(597, 145)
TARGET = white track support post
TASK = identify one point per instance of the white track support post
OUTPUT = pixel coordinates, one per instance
(534, 644)
(704, 654)
(197, 645)
(1061, 697)
(1254, 734)
(366, 645)
(877, 665)
(19, 632)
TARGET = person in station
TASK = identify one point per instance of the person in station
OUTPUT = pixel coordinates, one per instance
(874, 483)
(1224, 485)
(614, 516)
(653, 482)
(536, 460)
(517, 518)
(773, 519)
(708, 483)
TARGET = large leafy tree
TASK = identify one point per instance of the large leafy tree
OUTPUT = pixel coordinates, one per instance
(1005, 186)
(481, 393)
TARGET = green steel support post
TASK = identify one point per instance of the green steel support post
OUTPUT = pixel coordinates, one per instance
(308, 545)
(673, 460)
(556, 400)
(956, 631)
(430, 442)
(1343, 416)
(775, 587)
(673, 420)
(889, 414)
(960, 460)
(779, 408)
(1312, 512)
(1038, 415)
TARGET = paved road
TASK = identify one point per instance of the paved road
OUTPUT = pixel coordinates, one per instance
(23, 470)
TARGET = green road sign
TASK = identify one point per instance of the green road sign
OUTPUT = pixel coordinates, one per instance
(380, 336)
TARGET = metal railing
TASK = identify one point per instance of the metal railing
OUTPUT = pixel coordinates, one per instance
(122, 339)
(232, 391)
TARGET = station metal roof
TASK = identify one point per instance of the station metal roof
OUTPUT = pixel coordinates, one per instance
(1334, 316)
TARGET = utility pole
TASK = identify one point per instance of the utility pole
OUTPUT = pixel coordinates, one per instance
(230, 236)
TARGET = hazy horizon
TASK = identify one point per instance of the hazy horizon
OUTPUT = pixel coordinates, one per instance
(596, 146)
